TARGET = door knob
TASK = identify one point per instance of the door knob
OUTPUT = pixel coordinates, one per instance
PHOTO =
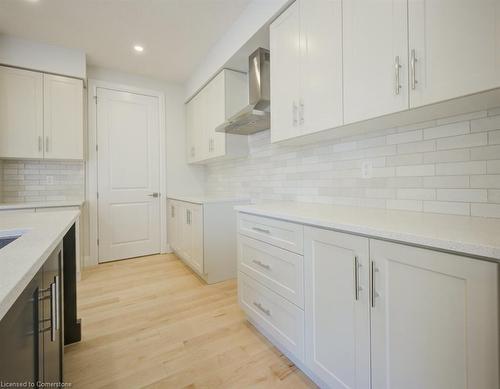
(155, 195)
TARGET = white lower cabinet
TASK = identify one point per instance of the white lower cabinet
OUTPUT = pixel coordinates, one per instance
(434, 319)
(203, 236)
(376, 314)
(337, 308)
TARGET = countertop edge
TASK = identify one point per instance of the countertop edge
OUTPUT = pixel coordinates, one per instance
(10, 298)
(481, 251)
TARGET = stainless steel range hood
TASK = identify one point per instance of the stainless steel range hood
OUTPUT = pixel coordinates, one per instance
(256, 115)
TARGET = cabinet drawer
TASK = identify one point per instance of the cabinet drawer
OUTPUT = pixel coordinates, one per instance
(279, 233)
(278, 269)
(278, 317)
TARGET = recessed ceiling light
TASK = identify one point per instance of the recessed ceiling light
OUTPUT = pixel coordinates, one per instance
(138, 48)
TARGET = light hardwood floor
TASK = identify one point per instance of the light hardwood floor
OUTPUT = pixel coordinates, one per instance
(151, 323)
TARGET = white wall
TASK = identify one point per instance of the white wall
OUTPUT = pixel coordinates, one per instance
(181, 177)
(42, 57)
(257, 14)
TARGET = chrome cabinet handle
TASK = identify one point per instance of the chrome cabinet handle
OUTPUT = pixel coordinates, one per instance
(58, 302)
(357, 288)
(374, 293)
(397, 67)
(262, 309)
(154, 194)
(53, 312)
(46, 144)
(40, 143)
(264, 265)
(261, 230)
(413, 62)
(301, 112)
(294, 113)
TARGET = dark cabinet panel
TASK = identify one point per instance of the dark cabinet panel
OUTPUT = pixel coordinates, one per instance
(20, 344)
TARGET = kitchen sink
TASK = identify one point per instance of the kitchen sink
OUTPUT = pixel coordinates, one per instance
(7, 237)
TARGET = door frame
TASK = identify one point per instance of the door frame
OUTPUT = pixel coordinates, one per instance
(92, 167)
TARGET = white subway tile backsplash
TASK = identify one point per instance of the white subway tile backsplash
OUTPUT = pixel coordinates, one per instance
(405, 137)
(447, 156)
(485, 181)
(416, 170)
(447, 130)
(460, 168)
(464, 195)
(485, 153)
(493, 167)
(459, 142)
(416, 194)
(485, 210)
(434, 166)
(406, 205)
(485, 124)
(26, 181)
(447, 207)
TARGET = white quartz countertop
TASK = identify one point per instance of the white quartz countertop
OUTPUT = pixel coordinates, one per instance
(475, 236)
(44, 204)
(21, 259)
(207, 199)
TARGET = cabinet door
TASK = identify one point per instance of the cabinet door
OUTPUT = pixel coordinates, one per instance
(21, 113)
(52, 314)
(456, 44)
(196, 226)
(434, 319)
(320, 103)
(190, 130)
(62, 117)
(285, 72)
(337, 308)
(184, 231)
(375, 42)
(216, 115)
(21, 354)
(172, 224)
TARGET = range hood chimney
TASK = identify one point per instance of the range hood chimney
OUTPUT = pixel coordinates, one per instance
(256, 115)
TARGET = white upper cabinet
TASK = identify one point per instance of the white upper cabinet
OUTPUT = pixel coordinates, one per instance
(63, 117)
(221, 98)
(21, 113)
(454, 48)
(41, 115)
(320, 103)
(284, 35)
(375, 58)
(306, 69)
(434, 319)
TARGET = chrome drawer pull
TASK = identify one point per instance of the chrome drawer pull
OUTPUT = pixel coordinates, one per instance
(261, 308)
(264, 231)
(264, 265)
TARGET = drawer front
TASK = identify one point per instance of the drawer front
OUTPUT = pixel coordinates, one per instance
(281, 319)
(280, 270)
(279, 233)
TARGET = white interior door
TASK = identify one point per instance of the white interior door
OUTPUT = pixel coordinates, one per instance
(128, 138)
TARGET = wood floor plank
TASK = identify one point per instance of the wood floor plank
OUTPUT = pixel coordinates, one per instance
(151, 323)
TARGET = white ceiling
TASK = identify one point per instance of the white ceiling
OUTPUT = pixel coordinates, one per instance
(176, 34)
